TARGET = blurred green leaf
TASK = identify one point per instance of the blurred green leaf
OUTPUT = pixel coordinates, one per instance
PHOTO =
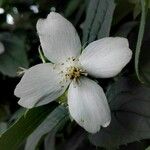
(49, 142)
(123, 8)
(52, 123)
(125, 29)
(72, 6)
(144, 6)
(136, 2)
(98, 20)
(79, 13)
(23, 127)
(148, 148)
(137, 10)
(14, 55)
(144, 63)
(4, 112)
(129, 102)
(76, 140)
(3, 127)
(19, 113)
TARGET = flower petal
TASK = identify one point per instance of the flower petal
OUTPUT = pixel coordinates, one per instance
(1, 48)
(40, 85)
(106, 57)
(88, 105)
(58, 37)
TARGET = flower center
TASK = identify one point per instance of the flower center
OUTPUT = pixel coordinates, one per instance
(74, 72)
(71, 70)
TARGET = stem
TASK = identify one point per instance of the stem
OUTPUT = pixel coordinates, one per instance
(144, 6)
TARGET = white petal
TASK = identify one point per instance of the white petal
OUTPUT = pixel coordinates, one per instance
(58, 37)
(88, 105)
(106, 57)
(39, 85)
(1, 48)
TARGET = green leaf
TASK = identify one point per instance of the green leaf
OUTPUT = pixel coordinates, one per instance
(98, 20)
(148, 148)
(3, 127)
(51, 124)
(137, 10)
(129, 102)
(137, 7)
(49, 142)
(80, 13)
(14, 55)
(123, 8)
(4, 112)
(144, 63)
(23, 127)
(136, 2)
(72, 6)
(144, 5)
(125, 29)
(19, 113)
(76, 140)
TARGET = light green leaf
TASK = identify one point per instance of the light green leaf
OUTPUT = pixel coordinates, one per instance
(52, 123)
(98, 20)
(129, 102)
(23, 127)
(144, 5)
(14, 55)
(148, 148)
(3, 127)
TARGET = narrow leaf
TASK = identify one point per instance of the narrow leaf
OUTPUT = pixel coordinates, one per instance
(52, 123)
(144, 63)
(72, 6)
(98, 20)
(144, 5)
(23, 127)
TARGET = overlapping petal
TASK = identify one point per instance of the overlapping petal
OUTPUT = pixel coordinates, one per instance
(58, 38)
(40, 85)
(106, 57)
(88, 105)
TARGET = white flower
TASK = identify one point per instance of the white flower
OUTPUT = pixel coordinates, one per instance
(44, 83)
(2, 49)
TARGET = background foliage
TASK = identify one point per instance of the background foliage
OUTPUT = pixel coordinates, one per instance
(49, 127)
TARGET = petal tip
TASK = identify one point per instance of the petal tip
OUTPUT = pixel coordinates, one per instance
(94, 131)
(53, 15)
(106, 124)
(16, 91)
(25, 105)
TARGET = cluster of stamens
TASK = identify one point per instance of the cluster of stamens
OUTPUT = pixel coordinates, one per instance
(73, 73)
